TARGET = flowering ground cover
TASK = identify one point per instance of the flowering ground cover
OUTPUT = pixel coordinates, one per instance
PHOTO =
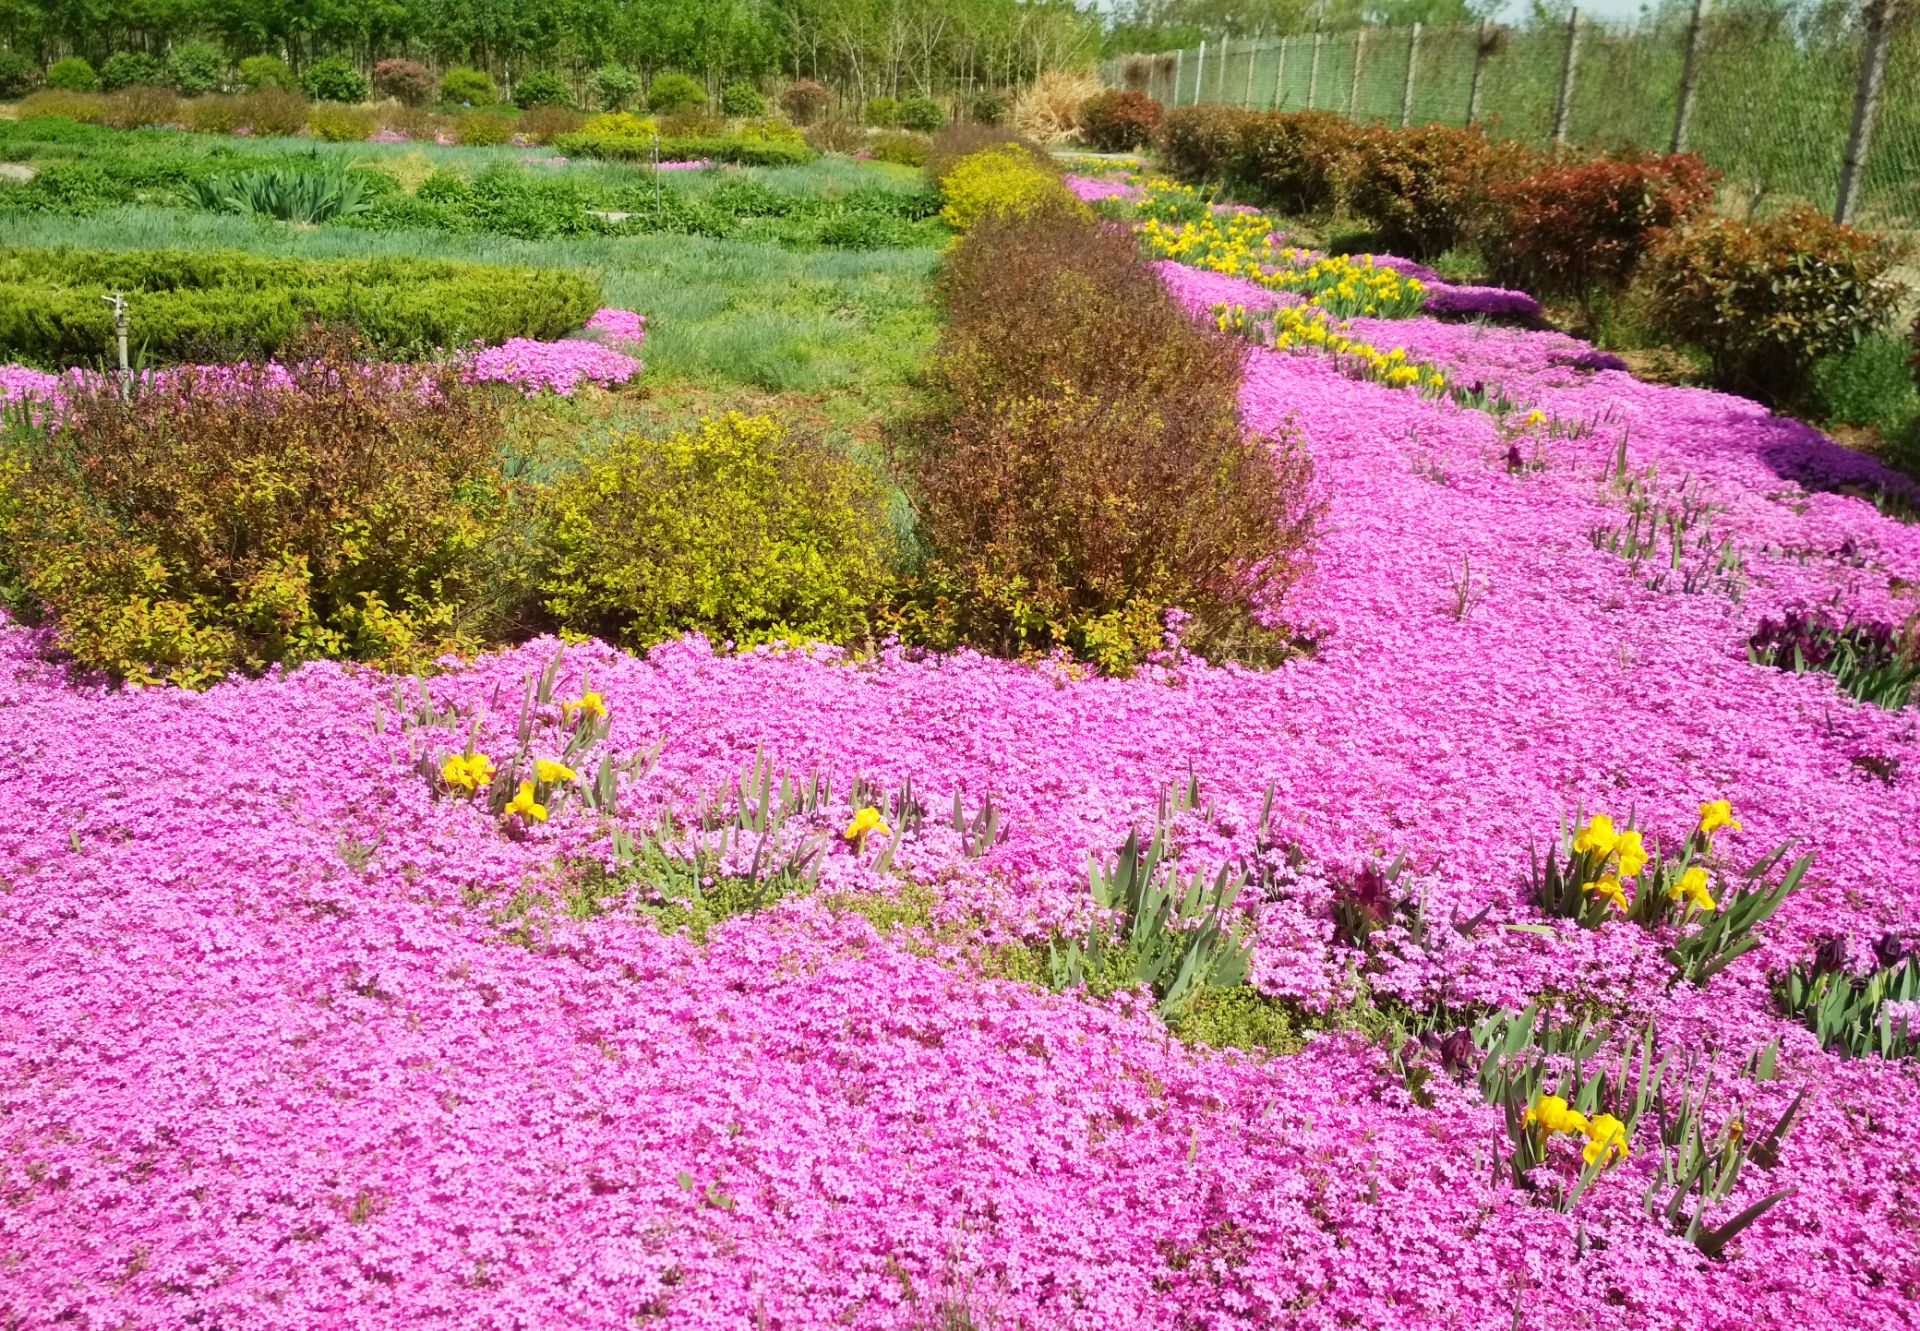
(296, 1033)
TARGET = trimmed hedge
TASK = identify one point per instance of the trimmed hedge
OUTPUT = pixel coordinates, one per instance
(744, 152)
(221, 305)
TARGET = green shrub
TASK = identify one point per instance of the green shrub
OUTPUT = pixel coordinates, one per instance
(900, 149)
(805, 101)
(195, 69)
(767, 129)
(1767, 300)
(1081, 466)
(882, 112)
(922, 115)
(674, 92)
(17, 75)
(1116, 121)
(465, 86)
(998, 181)
(992, 108)
(745, 152)
(180, 303)
(615, 87)
(336, 122)
(742, 99)
(406, 81)
(266, 71)
(335, 79)
(179, 535)
(1870, 385)
(542, 88)
(274, 111)
(72, 74)
(1424, 190)
(544, 124)
(127, 69)
(484, 129)
(215, 115)
(735, 529)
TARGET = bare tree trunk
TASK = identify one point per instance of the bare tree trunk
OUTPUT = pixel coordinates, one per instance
(1689, 71)
(1479, 66)
(1866, 101)
(1563, 105)
(1413, 63)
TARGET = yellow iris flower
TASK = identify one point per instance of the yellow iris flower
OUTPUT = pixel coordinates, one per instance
(1716, 814)
(1606, 1141)
(1633, 855)
(467, 772)
(865, 821)
(1608, 887)
(589, 704)
(1693, 886)
(1597, 837)
(549, 771)
(1553, 1114)
(524, 804)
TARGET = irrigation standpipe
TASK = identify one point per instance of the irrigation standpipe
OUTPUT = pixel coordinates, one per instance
(118, 301)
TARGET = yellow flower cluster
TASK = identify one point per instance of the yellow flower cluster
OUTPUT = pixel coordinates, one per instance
(1606, 1135)
(588, 705)
(1298, 326)
(549, 771)
(467, 772)
(1614, 854)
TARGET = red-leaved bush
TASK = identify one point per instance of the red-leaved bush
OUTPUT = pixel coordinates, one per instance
(1118, 122)
(1424, 190)
(406, 81)
(804, 101)
(1296, 161)
(1082, 467)
(1578, 228)
(1199, 144)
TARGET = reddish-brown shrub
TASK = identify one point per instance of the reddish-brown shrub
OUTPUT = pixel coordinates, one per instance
(1425, 190)
(1295, 161)
(406, 81)
(1118, 122)
(274, 111)
(139, 106)
(1766, 300)
(1082, 467)
(1578, 228)
(1199, 144)
(544, 124)
(804, 101)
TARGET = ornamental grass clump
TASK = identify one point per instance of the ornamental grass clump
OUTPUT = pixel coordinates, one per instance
(244, 517)
(735, 528)
(1082, 465)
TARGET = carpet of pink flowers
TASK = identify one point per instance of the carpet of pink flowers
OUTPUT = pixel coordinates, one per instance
(604, 357)
(267, 1061)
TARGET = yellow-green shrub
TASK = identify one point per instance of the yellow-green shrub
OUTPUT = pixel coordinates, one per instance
(333, 123)
(621, 125)
(482, 129)
(1003, 180)
(89, 108)
(733, 528)
(768, 129)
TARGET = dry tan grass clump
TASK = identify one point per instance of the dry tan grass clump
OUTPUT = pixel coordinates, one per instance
(1049, 110)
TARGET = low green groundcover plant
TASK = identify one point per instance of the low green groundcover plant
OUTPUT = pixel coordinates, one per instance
(194, 306)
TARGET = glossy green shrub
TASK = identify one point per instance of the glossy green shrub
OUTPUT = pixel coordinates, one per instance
(464, 85)
(335, 79)
(1115, 121)
(180, 303)
(183, 533)
(1295, 161)
(883, 112)
(266, 71)
(17, 75)
(1768, 300)
(127, 69)
(674, 92)
(542, 88)
(616, 87)
(72, 74)
(1199, 144)
(742, 99)
(734, 529)
(922, 115)
(195, 69)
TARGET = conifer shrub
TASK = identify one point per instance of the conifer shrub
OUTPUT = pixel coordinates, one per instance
(1082, 467)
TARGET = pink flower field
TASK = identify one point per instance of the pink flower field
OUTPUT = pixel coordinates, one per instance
(293, 1036)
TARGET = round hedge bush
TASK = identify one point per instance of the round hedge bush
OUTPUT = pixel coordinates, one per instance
(335, 79)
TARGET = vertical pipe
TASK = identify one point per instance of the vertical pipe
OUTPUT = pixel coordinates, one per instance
(1479, 64)
(1200, 72)
(1689, 72)
(1179, 60)
(1866, 101)
(1359, 58)
(1563, 106)
(1246, 98)
(1280, 78)
(1413, 63)
(1313, 70)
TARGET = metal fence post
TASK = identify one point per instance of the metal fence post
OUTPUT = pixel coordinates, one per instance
(1313, 70)
(1866, 100)
(1246, 99)
(1689, 72)
(1200, 72)
(1564, 105)
(1353, 84)
(1473, 86)
(1280, 79)
(1413, 62)
(1179, 63)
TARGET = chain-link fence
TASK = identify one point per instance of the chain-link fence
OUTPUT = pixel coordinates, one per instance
(1773, 95)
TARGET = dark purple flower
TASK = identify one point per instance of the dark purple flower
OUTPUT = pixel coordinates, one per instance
(1830, 956)
(1889, 950)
